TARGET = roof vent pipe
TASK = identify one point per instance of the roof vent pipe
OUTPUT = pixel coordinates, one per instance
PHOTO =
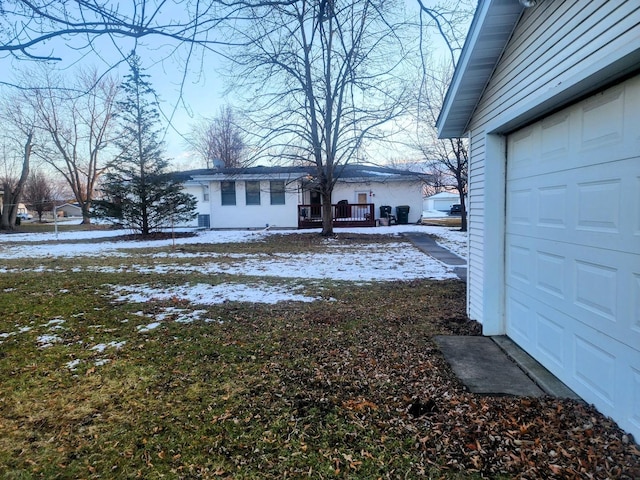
(528, 3)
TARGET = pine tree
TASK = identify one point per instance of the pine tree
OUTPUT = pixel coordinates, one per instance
(138, 190)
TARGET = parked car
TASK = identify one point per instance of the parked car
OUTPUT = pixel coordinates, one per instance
(456, 209)
(24, 216)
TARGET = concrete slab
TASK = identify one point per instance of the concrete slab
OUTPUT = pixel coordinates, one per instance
(428, 245)
(534, 370)
(484, 368)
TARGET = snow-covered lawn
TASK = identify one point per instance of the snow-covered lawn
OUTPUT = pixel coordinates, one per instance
(387, 261)
(249, 277)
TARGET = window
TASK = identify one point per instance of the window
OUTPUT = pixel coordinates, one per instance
(277, 192)
(205, 194)
(228, 190)
(253, 193)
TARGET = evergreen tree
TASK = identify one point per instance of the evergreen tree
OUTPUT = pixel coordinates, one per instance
(138, 191)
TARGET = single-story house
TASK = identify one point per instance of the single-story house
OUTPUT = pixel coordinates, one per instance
(69, 210)
(284, 197)
(441, 201)
(22, 208)
(548, 93)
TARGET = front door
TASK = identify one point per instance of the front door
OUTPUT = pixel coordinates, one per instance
(315, 199)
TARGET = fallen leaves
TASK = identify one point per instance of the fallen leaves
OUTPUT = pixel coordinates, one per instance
(359, 405)
(352, 388)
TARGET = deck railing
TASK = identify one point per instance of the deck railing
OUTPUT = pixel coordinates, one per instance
(344, 215)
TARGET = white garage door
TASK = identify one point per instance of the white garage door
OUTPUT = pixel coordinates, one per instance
(573, 247)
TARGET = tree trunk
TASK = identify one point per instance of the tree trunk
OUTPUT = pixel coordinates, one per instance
(327, 215)
(8, 208)
(12, 196)
(463, 213)
(86, 213)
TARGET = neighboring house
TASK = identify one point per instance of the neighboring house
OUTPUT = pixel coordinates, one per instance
(441, 201)
(550, 99)
(69, 210)
(284, 197)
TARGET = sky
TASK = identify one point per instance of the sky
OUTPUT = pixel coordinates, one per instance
(184, 99)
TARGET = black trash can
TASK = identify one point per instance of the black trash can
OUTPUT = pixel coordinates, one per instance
(385, 211)
(402, 213)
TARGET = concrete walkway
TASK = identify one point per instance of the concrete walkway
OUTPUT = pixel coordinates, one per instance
(484, 368)
(497, 366)
(489, 365)
(428, 245)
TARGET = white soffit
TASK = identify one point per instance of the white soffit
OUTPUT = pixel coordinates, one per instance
(490, 30)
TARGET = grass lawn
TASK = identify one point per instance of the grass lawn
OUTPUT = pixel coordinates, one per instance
(97, 383)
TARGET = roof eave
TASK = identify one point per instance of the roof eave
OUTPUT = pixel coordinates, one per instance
(489, 33)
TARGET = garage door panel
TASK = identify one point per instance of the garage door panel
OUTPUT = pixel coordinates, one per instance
(572, 242)
(633, 405)
(593, 287)
(552, 204)
(600, 369)
(594, 134)
(551, 339)
(603, 128)
(634, 209)
(523, 211)
(588, 206)
(541, 330)
(634, 300)
(554, 140)
(521, 325)
(597, 290)
(520, 264)
(595, 367)
(551, 277)
(599, 206)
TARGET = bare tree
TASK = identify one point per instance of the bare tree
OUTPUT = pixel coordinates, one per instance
(446, 159)
(436, 179)
(39, 193)
(29, 28)
(77, 125)
(450, 19)
(220, 138)
(13, 188)
(326, 77)
(17, 147)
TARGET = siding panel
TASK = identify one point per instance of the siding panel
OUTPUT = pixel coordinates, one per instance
(552, 44)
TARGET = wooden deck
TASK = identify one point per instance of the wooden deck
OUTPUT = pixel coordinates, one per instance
(344, 215)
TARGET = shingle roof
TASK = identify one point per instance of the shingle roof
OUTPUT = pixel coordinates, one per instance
(354, 171)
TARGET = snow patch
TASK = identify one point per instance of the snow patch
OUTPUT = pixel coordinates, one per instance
(205, 294)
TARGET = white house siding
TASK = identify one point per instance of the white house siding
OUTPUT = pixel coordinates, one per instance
(242, 215)
(393, 193)
(559, 53)
(552, 49)
(475, 222)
